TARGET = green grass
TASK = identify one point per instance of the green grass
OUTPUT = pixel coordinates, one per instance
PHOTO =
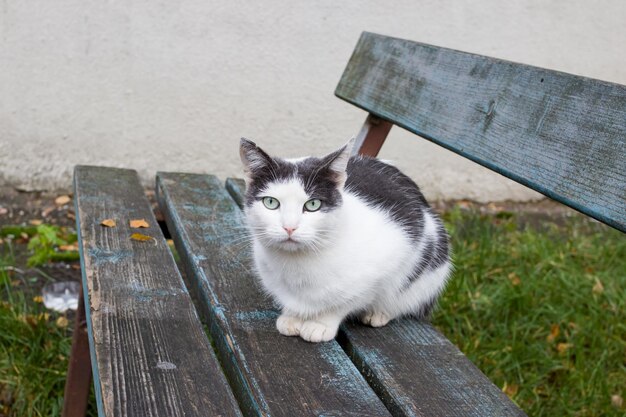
(540, 312)
(34, 348)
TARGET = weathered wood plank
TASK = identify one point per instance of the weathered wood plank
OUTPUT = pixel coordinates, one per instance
(560, 134)
(149, 353)
(270, 374)
(415, 370)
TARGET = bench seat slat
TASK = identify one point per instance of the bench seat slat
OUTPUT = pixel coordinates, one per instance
(414, 369)
(149, 353)
(560, 134)
(271, 374)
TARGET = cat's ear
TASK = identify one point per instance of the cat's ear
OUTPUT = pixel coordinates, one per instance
(254, 159)
(337, 163)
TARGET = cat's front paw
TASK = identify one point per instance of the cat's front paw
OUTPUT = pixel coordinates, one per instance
(375, 318)
(315, 331)
(288, 325)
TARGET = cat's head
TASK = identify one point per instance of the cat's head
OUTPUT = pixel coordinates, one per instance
(293, 205)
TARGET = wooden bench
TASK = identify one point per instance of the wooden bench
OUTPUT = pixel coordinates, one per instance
(560, 134)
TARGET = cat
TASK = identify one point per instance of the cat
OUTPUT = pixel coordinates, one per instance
(341, 236)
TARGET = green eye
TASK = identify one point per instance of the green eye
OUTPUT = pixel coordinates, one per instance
(271, 203)
(313, 204)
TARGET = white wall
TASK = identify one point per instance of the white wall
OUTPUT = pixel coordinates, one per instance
(172, 85)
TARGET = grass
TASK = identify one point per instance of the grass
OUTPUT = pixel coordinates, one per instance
(541, 310)
(34, 347)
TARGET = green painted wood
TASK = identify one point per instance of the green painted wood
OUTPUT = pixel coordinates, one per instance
(560, 134)
(415, 370)
(236, 188)
(149, 353)
(271, 374)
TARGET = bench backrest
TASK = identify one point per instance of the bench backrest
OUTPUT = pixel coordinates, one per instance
(560, 134)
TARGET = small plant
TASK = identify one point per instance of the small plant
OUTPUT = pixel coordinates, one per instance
(51, 243)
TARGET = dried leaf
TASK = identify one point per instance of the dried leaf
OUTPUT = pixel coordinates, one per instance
(510, 390)
(35, 222)
(73, 247)
(62, 322)
(38, 299)
(617, 401)
(562, 347)
(598, 288)
(62, 200)
(139, 223)
(3, 210)
(515, 280)
(554, 332)
(46, 212)
(141, 238)
(108, 222)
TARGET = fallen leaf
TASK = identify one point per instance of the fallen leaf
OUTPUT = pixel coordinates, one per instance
(38, 299)
(139, 223)
(70, 215)
(598, 288)
(62, 200)
(108, 222)
(617, 401)
(515, 280)
(562, 347)
(35, 222)
(46, 212)
(62, 322)
(141, 238)
(73, 247)
(24, 236)
(3, 210)
(510, 390)
(554, 332)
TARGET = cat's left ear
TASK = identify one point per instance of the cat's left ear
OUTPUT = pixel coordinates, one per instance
(337, 163)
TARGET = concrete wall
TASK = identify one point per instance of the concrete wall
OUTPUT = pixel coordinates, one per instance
(172, 85)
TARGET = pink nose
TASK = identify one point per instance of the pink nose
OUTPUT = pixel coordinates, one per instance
(289, 230)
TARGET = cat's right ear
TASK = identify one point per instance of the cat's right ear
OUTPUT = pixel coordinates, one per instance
(253, 158)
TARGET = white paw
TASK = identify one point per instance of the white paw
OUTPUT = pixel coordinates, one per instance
(375, 318)
(314, 331)
(288, 325)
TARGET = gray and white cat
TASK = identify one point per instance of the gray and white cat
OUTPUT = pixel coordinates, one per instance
(339, 236)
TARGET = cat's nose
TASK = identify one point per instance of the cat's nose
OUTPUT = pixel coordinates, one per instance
(289, 230)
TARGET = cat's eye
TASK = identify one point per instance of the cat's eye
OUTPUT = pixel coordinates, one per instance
(271, 203)
(313, 204)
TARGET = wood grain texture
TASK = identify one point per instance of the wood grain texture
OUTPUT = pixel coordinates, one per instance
(270, 374)
(415, 370)
(560, 134)
(149, 353)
